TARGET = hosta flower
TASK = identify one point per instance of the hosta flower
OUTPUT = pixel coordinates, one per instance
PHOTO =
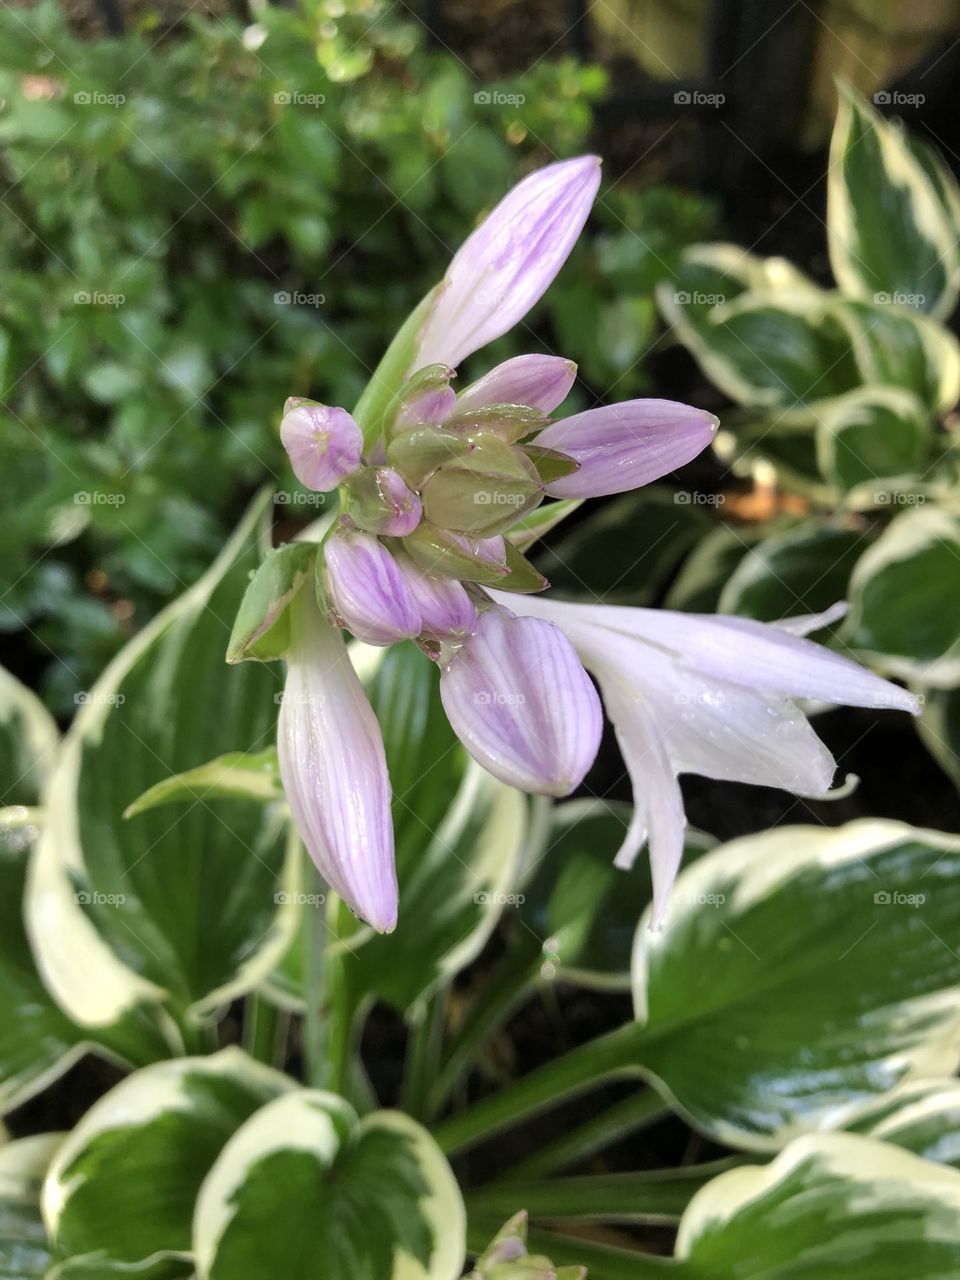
(426, 548)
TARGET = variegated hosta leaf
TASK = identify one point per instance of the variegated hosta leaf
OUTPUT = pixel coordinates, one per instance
(830, 1207)
(804, 569)
(306, 1189)
(126, 1179)
(24, 1250)
(872, 439)
(922, 1116)
(162, 1266)
(939, 726)
(28, 743)
(905, 598)
(892, 225)
(777, 345)
(177, 905)
(800, 972)
(896, 347)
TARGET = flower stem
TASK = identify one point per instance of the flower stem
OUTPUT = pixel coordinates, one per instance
(640, 1109)
(583, 1068)
(260, 1024)
(423, 1047)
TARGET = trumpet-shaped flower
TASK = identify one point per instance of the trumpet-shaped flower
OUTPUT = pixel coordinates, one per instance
(430, 509)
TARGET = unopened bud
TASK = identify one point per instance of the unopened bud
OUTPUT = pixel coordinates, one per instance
(323, 442)
(509, 422)
(426, 398)
(417, 453)
(379, 500)
(483, 493)
(450, 555)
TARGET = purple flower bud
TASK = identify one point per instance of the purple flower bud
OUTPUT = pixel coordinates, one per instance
(427, 399)
(542, 382)
(446, 610)
(334, 770)
(522, 704)
(625, 446)
(511, 259)
(380, 501)
(324, 443)
(368, 590)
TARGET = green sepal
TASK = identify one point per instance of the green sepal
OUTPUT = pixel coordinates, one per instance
(436, 551)
(241, 774)
(485, 492)
(261, 631)
(392, 371)
(551, 464)
(523, 578)
(509, 422)
(417, 453)
(430, 378)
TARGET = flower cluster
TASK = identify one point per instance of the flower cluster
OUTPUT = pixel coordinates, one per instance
(436, 507)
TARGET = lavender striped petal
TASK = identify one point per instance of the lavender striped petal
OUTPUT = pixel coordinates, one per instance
(334, 770)
(625, 446)
(446, 610)
(542, 382)
(522, 704)
(511, 259)
(369, 591)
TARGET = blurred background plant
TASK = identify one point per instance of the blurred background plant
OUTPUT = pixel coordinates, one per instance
(252, 210)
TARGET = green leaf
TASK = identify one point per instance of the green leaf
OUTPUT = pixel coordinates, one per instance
(891, 237)
(126, 1179)
(923, 1116)
(24, 1250)
(939, 727)
(262, 627)
(627, 548)
(180, 908)
(379, 1198)
(805, 569)
(872, 435)
(905, 598)
(28, 742)
(897, 347)
(253, 776)
(832, 977)
(578, 911)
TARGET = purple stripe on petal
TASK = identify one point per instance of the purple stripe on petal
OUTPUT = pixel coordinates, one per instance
(334, 769)
(542, 382)
(509, 262)
(625, 446)
(522, 704)
(324, 443)
(368, 590)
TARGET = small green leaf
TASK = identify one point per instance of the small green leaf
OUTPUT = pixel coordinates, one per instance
(247, 775)
(262, 627)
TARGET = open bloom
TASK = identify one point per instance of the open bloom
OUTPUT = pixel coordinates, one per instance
(428, 547)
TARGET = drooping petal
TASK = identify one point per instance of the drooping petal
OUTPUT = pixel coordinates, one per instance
(334, 770)
(446, 610)
(522, 704)
(624, 446)
(542, 382)
(323, 442)
(507, 264)
(368, 589)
